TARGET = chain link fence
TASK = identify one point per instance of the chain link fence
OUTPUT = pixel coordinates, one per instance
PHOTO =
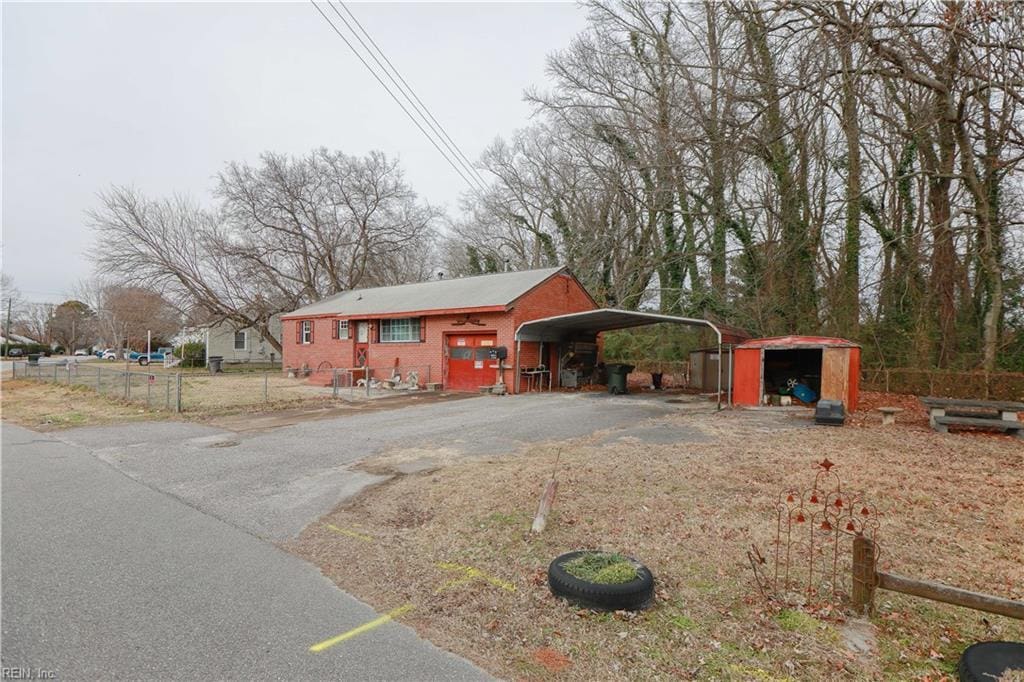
(199, 391)
(157, 390)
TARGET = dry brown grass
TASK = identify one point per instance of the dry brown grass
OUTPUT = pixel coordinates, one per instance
(950, 509)
(45, 406)
(215, 394)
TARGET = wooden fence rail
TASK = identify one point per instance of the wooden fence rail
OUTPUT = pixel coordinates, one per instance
(866, 579)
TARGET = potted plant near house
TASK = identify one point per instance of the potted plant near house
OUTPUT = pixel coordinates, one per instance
(601, 580)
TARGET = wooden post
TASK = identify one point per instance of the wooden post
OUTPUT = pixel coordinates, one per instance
(177, 392)
(546, 500)
(864, 580)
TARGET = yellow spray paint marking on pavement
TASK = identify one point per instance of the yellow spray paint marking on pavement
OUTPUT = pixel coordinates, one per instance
(477, 573)
(350, 533)
(365, 627)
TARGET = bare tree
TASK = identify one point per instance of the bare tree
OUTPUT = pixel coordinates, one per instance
(287, 232)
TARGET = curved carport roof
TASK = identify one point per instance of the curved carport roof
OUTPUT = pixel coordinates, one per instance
(587, 325)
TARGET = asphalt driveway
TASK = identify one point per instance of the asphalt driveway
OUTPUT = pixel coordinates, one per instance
(274, 483)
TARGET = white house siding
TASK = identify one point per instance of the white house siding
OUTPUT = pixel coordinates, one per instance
(220, 340)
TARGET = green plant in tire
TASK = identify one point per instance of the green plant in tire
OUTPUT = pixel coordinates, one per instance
(603, 568)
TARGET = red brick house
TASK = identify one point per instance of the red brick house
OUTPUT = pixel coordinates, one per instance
(447, 330)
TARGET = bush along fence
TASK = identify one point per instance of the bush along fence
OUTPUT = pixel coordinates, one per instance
(159, 391)
(946, 383)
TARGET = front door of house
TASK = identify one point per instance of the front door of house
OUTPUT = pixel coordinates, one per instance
(362, 345)
(469, 364)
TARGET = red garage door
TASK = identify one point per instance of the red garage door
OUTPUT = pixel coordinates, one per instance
(469, 366)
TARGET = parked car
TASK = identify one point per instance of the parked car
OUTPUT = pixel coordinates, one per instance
(110, 354)
(81, 352)
(156, 356)
(15, 353)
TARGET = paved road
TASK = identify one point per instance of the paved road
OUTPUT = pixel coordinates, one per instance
(104, 577)
(274, 483)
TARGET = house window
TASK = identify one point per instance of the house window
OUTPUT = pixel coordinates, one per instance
(241, 340)
(341, 329)
(307, 331)
(396, 331)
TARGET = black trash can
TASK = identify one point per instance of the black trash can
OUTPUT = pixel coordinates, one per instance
(33, 358)
(617, 374)
(213, 363)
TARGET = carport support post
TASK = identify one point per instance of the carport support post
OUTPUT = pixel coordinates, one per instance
(515, 374)
(719, 370)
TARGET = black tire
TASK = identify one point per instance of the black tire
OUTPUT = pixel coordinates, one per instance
(143, 361)
(631, 596)
(986, 661)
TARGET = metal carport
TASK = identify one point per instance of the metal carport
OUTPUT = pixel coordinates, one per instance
(587, 325)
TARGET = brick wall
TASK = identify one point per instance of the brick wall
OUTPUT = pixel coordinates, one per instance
(557, 296)
(560, 295)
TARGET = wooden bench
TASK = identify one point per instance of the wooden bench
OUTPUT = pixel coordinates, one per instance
(986, 414)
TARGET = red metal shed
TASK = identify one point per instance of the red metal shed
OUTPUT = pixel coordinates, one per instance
(830, 367)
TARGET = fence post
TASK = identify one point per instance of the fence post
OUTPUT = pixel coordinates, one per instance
(864, 579)
(167, 388)
(69, 374)
(127, 385)
(334, 383)
(177, 399)
(55, 373)
(266, 386)
(99, 381)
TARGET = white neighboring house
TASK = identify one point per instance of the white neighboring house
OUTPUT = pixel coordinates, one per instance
(244, 344)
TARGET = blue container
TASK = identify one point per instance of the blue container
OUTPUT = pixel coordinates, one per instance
(804, 393)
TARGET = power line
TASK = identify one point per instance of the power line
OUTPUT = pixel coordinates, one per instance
(412, 118)
(408, 92)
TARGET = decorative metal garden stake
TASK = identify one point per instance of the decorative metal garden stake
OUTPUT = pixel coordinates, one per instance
(812, 527)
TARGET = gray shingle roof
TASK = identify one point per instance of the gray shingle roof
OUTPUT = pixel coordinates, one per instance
(480, 291)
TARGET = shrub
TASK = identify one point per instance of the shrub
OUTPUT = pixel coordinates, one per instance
(192, 354)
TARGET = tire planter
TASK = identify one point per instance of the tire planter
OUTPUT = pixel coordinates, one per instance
(985, 661)
(631, 596)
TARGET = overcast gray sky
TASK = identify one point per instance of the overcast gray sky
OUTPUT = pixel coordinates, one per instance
(160, 96)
